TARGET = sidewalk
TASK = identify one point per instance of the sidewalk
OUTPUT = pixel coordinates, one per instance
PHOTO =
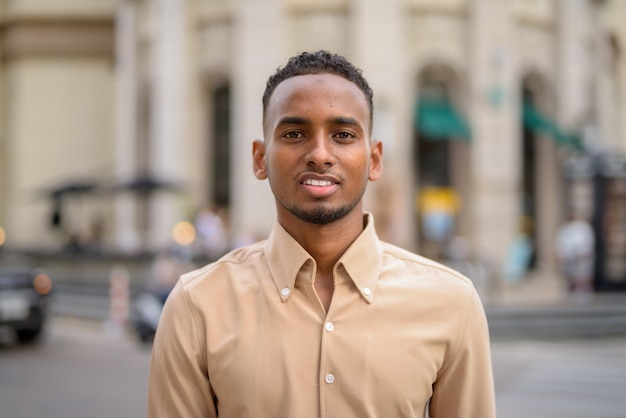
(541, 307)
(538, 291)
(533, 290)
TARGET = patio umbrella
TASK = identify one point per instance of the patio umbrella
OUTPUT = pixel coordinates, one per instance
(77, 187)
(147, 184)
(59, 192)
(142, 188)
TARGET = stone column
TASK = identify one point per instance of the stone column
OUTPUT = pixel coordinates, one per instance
(620, 30)
(573, 72)
(4, 172)
(170, 80)
(378, 49)
(125, 233)
(258, 50)
(495, 121)
(572, 109)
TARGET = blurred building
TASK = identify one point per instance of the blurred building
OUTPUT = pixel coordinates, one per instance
(57, 117)
(502, 102)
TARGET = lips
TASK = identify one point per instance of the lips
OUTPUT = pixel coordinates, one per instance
(315, 179)
(319, 186)
(319, 183)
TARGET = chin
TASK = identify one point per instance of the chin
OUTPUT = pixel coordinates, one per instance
(321, 216)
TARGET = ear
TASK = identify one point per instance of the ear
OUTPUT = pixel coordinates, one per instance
(258, 159)
(376, 160)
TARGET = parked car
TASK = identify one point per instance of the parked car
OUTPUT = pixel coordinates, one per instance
(25, 299)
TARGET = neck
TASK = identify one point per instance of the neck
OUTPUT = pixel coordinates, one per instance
(326, 243)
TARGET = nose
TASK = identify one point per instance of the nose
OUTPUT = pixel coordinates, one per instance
(320, 152)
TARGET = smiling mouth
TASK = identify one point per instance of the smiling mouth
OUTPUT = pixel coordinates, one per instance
(318, 183)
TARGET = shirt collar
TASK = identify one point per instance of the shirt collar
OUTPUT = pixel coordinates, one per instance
(362, 261)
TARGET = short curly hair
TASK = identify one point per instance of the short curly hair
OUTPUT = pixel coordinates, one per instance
(319, 62)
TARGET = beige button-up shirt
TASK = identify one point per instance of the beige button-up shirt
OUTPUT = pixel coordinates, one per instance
(247, 336)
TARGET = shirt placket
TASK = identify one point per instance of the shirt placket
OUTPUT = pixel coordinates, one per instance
(327, 376)
(330, 376)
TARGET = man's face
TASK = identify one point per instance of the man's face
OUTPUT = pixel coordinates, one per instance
(317, 153)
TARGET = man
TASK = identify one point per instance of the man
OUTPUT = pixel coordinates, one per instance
(322, 319)
(575, 246)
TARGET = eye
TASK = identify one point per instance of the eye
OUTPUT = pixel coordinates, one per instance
(344, 135)
(293, 135)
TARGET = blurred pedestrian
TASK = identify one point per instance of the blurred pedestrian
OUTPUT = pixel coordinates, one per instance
(575, 246)
(212, 232)
(322, 318)
(520, 253)
(438, 207)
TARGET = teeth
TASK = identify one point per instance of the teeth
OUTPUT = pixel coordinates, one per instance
(312, 182)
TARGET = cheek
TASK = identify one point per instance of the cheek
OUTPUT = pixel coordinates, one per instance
(359, 164)
(276, 167)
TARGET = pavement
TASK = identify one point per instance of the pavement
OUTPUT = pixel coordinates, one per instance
(541, 307)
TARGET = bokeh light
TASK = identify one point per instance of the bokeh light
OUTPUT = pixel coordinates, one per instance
(183, 233)
(42, 284)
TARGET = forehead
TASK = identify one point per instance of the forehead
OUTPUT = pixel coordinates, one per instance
(306, 92)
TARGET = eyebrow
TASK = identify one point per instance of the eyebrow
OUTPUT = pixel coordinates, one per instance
(342, 120)
(292, 120)
(297, 120)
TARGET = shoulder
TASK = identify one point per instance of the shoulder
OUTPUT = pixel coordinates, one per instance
(236, 261)
(416, 263)
(425, 273)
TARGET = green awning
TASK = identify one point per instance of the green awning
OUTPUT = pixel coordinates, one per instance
(535, 121)
(437, 119)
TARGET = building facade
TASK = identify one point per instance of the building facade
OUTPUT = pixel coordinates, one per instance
(57, 101)
(487, 99)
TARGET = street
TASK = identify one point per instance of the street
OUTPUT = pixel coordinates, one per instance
(80, 369)
(560, 378)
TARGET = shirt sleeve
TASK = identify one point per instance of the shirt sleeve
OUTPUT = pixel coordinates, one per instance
(464, 386)
(179, 385)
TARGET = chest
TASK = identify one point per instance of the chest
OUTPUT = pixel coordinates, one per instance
(357, 356)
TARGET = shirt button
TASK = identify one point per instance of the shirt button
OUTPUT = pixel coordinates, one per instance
(367, 291)
(329, 326)
(285, 291)
(330, 378)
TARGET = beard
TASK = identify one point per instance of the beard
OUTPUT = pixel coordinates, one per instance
(321, 216)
